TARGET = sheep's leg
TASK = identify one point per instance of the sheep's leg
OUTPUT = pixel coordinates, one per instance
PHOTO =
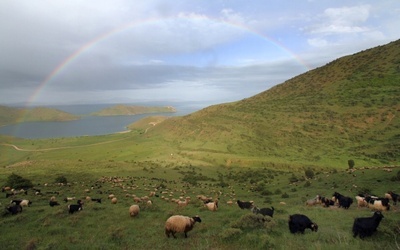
(173, 234)
(185, 235)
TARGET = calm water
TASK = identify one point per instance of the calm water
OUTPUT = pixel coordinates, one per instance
(89, 125)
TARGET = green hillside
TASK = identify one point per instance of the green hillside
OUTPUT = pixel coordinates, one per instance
(132, 110)
(347, 109)
(9, 115)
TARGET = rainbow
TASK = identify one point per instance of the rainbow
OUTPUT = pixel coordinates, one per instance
(71, 58)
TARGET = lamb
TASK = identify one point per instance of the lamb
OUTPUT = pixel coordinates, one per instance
(114, 200)
(212, 206)
(299, 222)
(134, 210)
(264, 211)
(180, 224)
(366, 226)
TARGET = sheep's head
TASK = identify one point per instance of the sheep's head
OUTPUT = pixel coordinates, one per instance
(196, 218)
(314, 227)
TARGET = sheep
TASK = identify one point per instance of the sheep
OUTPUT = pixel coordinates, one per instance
(72, 208)
(180, 224)
(53, 203)
(312, 202)
(69, 199)
(15, 202)
(393, 196)
(14, 209)
(25, 203)
(344, 201)
(183, 203)
(264, 211)
(361, 202)
(134, 210)
(299, 222)
(366, 226)
(378, 204)
(245, 204)
(212, 206)
(114, 200)
(98, 200)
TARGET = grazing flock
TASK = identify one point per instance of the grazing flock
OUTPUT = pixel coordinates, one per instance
(297, 223)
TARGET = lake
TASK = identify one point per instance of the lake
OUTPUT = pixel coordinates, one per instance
(86, 126)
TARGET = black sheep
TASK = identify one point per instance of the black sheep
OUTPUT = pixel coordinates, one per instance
(14, 209)
(366, 226)
(344, 201)
(264, 211)
(98, 200)
(244, 204)
(75, 207)
(53, 203)
(300, 222)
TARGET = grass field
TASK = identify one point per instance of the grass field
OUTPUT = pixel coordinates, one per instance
(108, 226)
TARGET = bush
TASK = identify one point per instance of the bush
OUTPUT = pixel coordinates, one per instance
(15, 181)
(61, 179)
(351, 164)
(309, 173)
(285, 195)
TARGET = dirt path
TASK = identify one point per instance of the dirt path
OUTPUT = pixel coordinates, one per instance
(57, 148)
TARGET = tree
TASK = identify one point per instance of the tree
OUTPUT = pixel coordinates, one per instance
(15, 181)
(351, 164)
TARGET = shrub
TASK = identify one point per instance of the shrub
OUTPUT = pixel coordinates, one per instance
(230, 233)
(309, 173)
(293, 179)
(250, 221)
(16, 181)
(350, 163)
(61, 179)
(285, 195)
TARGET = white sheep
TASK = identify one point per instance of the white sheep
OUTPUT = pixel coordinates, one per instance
(361, 202)
(25, 203)
(212, 206)
(180, 224)
(134, 210)
(114, 200)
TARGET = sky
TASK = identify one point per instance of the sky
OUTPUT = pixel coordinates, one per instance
(206, 52)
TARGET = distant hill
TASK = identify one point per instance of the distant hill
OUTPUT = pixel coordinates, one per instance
(132, 110)
(347, 109)
(10, 115)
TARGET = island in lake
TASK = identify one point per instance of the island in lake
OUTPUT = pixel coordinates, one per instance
(12, 115)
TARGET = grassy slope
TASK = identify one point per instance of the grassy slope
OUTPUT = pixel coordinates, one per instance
(348, 109)
(132, 110)
(10, 115)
